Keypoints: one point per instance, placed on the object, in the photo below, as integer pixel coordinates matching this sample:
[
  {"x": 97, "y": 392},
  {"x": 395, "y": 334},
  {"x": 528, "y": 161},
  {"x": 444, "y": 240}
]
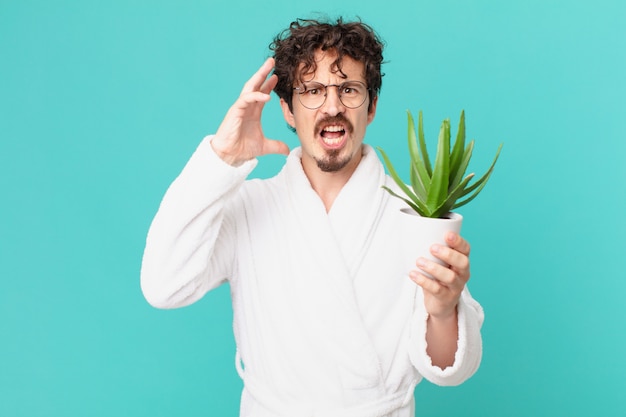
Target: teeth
[
  {"x": 333, "y": 128},
  {"x": 331, "y": 141}
]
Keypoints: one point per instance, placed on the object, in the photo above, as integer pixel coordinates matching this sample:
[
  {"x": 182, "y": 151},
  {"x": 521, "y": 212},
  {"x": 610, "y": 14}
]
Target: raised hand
[{"x": 240, "y": 136}]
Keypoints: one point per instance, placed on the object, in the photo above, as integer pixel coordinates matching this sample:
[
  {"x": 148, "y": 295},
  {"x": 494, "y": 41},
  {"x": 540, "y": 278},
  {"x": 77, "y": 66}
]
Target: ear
[
  {"x": 287, "y": 114},
  {"x": 372, "y": 110}
]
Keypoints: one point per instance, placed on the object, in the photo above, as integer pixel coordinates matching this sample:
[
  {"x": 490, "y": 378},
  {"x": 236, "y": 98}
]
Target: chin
[
  {"x": 334, "y": 160},
  {"x": 331, "y": 165}
]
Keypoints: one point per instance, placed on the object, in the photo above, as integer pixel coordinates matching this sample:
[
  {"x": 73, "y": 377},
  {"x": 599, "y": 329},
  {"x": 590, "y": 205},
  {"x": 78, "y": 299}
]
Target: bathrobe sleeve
[
  {"x": 190, "y": 244},
  {"x": 469, "y": 344}
]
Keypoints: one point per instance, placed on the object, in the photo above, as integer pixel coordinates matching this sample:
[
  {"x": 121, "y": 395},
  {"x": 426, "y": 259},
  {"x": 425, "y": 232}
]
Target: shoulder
[{"x": 257, "y": 192}]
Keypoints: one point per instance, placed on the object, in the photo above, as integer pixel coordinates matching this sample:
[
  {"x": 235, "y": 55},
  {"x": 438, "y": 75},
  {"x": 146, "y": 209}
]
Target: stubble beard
[{"x": 333, "y": 162}]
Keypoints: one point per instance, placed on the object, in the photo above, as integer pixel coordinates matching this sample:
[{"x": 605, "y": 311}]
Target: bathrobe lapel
[
  {"x": 357, "y": 211},
  {"x": 331, "y": 253}
]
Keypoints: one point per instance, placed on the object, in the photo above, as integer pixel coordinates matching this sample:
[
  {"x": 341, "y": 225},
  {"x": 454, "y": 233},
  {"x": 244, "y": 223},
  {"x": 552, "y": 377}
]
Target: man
[{"x": 326, "y": 320}]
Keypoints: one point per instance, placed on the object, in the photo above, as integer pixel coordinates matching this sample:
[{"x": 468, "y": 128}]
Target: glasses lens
[
  {"x": 312, "y": 95},
  {"x": 352, "y": 94}
]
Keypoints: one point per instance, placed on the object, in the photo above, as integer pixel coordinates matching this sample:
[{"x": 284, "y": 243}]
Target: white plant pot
[{"x": 423, "y": 232}]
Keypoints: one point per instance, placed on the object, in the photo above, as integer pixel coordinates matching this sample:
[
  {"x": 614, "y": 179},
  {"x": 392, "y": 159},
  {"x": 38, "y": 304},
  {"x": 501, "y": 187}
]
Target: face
[{"x": 331, "y": 136}]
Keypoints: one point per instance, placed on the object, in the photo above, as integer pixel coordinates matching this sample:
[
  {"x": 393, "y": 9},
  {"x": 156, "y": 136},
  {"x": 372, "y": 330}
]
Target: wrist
[
  {"x": 225, "y": 155},
  {"x": 444, "y": 317}
]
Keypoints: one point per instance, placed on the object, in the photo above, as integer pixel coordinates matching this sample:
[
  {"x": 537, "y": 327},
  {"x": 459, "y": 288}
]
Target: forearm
[
  {"x": 441, "y": 339},
  {"x": 467, "y": 346}
]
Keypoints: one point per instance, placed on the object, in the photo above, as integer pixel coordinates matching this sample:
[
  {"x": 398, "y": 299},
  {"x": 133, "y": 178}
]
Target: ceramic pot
[{"x": 422, "y": 232}]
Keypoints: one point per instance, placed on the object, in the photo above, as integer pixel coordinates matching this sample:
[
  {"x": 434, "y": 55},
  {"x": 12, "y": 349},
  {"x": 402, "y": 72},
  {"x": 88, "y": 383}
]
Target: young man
[{"x": 326, "y": 319}]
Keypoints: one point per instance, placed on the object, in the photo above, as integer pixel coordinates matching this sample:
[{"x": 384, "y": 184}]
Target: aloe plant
[{"x": 436, "y": 191}]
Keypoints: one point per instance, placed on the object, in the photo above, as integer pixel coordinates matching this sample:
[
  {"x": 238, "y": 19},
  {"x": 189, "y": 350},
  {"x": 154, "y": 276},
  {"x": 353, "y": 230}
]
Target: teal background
[{"x": 102, "y": 103}]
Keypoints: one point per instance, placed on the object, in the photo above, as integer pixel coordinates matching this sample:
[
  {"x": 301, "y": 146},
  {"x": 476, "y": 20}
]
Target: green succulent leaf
[
  {"x": 464, "y": 163},
  {"x": 415, "y": 205},
  {"x": 394, "y": 175},
  {"x": 477, "y": 187},
  {"x": 419, "y": 188},
  {"x": 413, "y": 147},
  {"x": 420, "y": 179},
  {"x": 420, "y": 164},
  {"x": 422, "y": 141},
  {"x": 456, "y": 157},
  {"x": 448, "y": 205},
  {"x": 438, "y": 190}
]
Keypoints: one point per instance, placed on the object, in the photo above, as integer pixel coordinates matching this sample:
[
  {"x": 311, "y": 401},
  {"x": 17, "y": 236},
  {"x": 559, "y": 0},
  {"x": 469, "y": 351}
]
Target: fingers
[
  {"x": 254, "y": 97},
  {"x": 249, "y": 105},
  {"x": 259, "y": 81},
  {"x": 442, "y": 293},
  {"x": 269, "y": 84},
  {"x": 458, "y": 261},
  {"x": 429, "y": 285},
  {"x": 457, "y": 242},
  {"x": 258, "y": 88},
  {"x": 456, "y": 269},
  {"x": 446, "y": 276},
  {"x": 271, "y": 146},
  {"x": 456, "y": 255}
]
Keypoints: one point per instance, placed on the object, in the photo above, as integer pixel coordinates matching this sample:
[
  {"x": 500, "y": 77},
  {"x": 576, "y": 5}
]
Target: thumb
[{"x": 271, "y": 146}]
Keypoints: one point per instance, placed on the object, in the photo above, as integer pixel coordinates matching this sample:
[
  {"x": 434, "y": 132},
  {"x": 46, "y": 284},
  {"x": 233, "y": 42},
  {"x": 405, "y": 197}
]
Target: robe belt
[{"x": 378, "y": 408}]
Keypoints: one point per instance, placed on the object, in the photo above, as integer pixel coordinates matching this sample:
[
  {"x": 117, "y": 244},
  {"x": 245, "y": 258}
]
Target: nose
[{"x": 333, "y": 105}]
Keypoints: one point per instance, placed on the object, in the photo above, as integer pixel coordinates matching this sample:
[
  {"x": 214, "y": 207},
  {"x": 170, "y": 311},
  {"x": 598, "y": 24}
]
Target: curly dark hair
[{"x": 297, "y": 45}]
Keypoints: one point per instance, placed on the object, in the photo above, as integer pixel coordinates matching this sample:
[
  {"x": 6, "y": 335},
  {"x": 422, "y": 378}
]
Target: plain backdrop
[{"x": 102, "y": 103}]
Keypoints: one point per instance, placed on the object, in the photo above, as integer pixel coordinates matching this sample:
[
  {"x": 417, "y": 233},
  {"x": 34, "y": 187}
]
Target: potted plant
[{"x": 435, "y": 191}]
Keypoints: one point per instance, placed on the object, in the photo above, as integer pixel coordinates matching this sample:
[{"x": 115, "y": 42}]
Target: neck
[{"x": 327, "y": 185}]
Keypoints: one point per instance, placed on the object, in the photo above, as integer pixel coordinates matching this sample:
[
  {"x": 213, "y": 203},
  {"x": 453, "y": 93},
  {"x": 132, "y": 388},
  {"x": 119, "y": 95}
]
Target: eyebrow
[{"x": 343, "y": 82}]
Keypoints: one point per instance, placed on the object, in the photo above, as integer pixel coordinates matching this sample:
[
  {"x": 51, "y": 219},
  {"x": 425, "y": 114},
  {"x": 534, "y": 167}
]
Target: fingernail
[
  {"x": 415, "y": 276},
  {"x": 435, "y": 248}
]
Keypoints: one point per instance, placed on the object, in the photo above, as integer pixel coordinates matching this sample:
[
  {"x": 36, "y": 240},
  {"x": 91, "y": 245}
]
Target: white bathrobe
[{"x": 327, "y": 322}]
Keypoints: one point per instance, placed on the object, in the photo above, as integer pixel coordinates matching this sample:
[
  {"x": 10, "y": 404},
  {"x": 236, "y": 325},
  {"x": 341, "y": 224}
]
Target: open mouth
[
  {"x": 333, "y": 132},
  {"x": 333, "y": 135}
]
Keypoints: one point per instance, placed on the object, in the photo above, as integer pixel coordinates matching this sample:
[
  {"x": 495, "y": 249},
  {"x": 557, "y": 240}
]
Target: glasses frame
[{"x": 301, "y": 90}]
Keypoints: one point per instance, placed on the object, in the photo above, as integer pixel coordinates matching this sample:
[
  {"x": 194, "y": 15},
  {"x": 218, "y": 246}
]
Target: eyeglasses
[{"x": 352, "y": 94}]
